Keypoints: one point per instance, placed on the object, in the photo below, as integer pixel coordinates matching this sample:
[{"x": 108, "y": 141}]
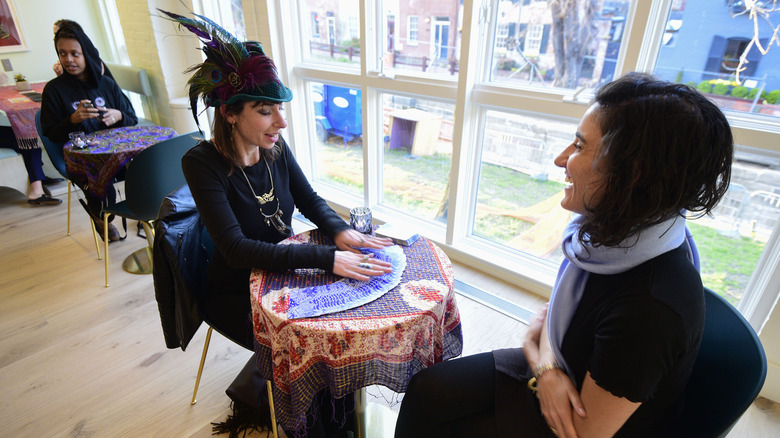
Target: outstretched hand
[
  {"x": 351, "y": 263},
  {"x": 359, "y": 266},
  {"x": 351, "y": 240}
]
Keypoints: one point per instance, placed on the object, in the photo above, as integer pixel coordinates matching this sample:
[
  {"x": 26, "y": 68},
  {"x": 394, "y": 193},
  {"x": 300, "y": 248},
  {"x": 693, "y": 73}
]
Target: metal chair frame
[
  {"x": 149, "y": 179},
  {"x": 57, "y": 157},
  {"x": 274, "y": 428}
]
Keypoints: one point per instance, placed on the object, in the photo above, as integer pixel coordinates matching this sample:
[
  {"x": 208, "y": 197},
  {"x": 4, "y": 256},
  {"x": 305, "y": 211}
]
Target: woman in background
[
  {"x": 614, "y": 350},
  {"x": 83, "y": 99},
  {"x": 96, "y": 55}
]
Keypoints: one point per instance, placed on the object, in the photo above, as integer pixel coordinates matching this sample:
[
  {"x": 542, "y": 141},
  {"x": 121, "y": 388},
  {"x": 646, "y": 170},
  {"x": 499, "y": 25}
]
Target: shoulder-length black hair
[{"x": 665, "y": 149}]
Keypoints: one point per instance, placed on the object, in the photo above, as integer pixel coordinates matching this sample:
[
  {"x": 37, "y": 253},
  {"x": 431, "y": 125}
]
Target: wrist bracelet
[
  {"x": 538, "y": 371},
  {"x": 543, "y": 368}
]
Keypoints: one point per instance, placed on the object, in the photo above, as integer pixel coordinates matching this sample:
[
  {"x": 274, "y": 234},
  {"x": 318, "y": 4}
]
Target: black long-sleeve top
[
  {"x": 60, "y": 99},
  {"x": 233, "y": 218}
]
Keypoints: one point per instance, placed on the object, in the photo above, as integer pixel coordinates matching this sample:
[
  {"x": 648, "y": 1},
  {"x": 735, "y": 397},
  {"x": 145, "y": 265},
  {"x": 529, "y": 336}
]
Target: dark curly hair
[{"x": 665, "y": 149}]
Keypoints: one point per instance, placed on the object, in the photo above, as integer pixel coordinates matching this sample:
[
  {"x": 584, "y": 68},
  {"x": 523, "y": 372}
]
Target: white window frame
[
  {"x": 354, "y": 27},
  {"x": 472, "y": 94},
  {"x": 412, "y": 30},
  {"x": 533, "y": 39}
]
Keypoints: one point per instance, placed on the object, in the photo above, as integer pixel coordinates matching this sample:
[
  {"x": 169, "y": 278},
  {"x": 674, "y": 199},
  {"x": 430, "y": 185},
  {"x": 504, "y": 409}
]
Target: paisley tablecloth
[
  {"x": 95, "y": 167},
  {"x": 385, "y": 342},
  {"x": 20, "y": 111}
]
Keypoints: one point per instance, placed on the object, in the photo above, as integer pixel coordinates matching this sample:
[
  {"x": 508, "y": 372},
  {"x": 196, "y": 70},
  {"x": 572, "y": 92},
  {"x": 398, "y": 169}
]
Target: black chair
[
  {"x": 57, "y": 157},
  {"x": 183, "y": 250},
  {"x": 150, "y": 177},
  {"x": 728, "y": 374}
]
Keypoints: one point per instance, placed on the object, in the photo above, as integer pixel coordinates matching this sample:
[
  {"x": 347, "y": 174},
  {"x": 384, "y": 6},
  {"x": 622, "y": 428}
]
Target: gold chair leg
[
  {"x": 95, "y": 237},
  {"x": 69, "y": 183},
  {"x": 149, "y": 231},
  {"x": 274, "y": 429},
  {"x": 200, "y": 368},
  {"x": 105, "y": 242}
]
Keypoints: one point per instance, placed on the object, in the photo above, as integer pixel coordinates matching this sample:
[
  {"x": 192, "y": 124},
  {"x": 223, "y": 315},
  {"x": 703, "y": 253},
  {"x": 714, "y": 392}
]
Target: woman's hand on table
[
  {"x": 84, "y": 111},
  {"x": 358, "y": 266},
  {"x": 350, "y": 240},
  {"x": 110, "y": 116}
]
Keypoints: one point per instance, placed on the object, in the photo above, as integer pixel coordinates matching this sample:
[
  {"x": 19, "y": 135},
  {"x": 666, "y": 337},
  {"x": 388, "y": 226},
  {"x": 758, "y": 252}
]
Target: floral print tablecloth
[
  {"x": 95, "y": 167},
  {"x": 384, "y": 342},
  {"x": 20, "y": 111}
]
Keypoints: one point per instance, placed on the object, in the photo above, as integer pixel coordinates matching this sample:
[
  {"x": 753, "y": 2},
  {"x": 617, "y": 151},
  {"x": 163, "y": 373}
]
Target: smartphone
[{"x": 88, "y": 105}]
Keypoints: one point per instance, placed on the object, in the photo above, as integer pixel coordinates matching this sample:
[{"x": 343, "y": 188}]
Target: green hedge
[
  {"x": 740, "y": 91},
  {"x": 720, "y": 89},
  {"x": 772, "y": 96}
]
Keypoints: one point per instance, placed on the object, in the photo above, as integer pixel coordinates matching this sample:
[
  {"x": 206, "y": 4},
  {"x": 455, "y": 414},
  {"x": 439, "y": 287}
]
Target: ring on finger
[
  {"x": 364, "y": 265},
  {"x": 365, "y": 258}
]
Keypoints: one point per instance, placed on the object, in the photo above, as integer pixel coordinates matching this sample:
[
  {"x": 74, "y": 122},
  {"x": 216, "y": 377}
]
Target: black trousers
[{"x": 468, "y": 398}]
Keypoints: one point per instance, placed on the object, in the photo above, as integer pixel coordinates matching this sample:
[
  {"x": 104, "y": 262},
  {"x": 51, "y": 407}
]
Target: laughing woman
[{"x": 611, "y": 354}]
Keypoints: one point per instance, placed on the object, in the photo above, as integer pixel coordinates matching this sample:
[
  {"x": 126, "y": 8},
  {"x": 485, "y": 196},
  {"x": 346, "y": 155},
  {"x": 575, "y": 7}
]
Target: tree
[
  {"x": 755, "y": 10},
  {"x": 572, "y": 32}
]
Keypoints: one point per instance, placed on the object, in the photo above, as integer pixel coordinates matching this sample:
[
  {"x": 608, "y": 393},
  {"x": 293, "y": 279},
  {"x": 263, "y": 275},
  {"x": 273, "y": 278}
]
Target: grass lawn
[
  {"x": 417, "y": 185},
  {"x": 727, "y": 262}
]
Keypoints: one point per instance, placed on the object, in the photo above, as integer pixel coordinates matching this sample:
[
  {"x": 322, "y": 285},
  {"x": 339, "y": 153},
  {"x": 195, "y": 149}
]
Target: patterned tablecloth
[
  {"x": 20, "y": 111},
  {"x": 385, "y": 342},
  {"x": 95, "y": 167}
]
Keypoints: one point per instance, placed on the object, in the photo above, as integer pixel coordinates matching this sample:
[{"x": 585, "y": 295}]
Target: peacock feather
[{"x": 233, "y": 70}]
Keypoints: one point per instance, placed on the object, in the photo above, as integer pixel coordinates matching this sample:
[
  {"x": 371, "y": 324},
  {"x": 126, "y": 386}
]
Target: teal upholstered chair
[
  {"x": 57, "y": 157},
  {"x": 728, "y": 374},
  {"x": 150, "y": 177}
]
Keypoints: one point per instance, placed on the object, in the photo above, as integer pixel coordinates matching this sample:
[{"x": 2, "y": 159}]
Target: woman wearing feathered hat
[{"x": 246, "y": 182}]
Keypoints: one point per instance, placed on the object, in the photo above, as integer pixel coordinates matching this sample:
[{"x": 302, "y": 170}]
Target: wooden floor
[{"x": 78, "y": 359}]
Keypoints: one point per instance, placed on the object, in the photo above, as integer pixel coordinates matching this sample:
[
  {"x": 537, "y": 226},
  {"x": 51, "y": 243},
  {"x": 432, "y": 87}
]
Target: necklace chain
[{"x": 274, "y": 219}]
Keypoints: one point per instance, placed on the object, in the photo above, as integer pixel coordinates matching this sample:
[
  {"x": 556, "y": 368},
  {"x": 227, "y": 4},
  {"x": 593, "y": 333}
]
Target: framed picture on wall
[{"x": 11, "y": 36}]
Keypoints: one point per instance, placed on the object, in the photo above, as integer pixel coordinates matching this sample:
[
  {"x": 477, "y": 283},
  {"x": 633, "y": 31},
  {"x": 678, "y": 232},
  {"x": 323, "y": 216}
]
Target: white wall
[
  {"x": 151, "y": 43},
  {"x": 36, "y": 19}
]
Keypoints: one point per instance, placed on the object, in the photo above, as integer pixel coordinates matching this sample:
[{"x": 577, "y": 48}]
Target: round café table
[
  {"x": 94, "y": 168},
  {"x": 384, "y": 342}
]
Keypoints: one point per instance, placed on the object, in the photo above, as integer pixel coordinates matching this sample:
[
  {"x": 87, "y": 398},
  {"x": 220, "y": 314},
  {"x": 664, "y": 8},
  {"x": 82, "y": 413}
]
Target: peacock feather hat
[{"x": 233, "y": 70}]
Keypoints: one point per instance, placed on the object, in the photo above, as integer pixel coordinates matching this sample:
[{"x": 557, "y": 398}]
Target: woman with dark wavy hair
[{"x": 611, "y": 353}]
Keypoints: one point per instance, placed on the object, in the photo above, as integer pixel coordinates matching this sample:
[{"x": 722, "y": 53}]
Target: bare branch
[{"x": 756, "y": 10}]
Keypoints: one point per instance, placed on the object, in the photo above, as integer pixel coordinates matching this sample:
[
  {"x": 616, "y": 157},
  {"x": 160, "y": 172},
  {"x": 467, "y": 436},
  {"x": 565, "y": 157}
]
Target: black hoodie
[{"x": 62, "y": 94}]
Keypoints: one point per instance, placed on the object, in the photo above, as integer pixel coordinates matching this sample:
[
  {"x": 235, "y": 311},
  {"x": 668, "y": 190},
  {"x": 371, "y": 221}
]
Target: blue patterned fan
[{"x": 348, "y": 293}]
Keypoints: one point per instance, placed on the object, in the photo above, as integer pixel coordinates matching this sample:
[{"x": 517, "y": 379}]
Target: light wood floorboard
[{"x": 78, "y": 359}]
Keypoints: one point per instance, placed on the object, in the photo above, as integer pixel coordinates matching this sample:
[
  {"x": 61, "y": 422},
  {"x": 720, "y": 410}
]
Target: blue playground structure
[{"x": 337, "y": 111}]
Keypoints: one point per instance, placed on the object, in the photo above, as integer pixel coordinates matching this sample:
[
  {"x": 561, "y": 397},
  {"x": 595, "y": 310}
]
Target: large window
[
  {"x": 457, "y": 133},
  {"x": 332, "y": 31},
  {"x": 732, "y": 240},
  {"x": 581, "y": 52}
]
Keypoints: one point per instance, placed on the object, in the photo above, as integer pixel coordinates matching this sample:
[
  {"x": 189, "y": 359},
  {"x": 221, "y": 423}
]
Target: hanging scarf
[{"x": 582, "y": 259}]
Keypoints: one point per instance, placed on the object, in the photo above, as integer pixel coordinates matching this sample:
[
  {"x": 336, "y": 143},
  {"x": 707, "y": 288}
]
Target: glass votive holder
[
  {"x": 360, "y": 219},
  {"x": 78, "y": 139}
]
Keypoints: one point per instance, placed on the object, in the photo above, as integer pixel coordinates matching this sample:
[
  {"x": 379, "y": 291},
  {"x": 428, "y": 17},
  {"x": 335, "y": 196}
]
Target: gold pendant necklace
[{"x": 274, "y": 219}]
